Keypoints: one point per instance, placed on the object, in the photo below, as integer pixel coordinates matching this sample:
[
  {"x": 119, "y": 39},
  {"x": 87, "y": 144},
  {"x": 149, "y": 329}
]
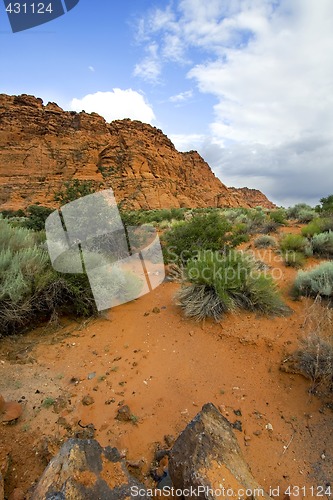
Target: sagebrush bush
[
  {"x": 306, "y": 215},
  {"x": 219, "y": 283},
  {"x": 301, "y": 212},
  {"x": 29, "y": 287},
  {"x": 265, "y": 241},
  {"x": 316, "y": 281},
  {"x": 322, "y": 244}
]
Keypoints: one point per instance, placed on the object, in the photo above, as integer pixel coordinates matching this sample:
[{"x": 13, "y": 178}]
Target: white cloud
[
  {"x": 150, "y": 67},
  {"x": 187, "y": 142},
  {"x": 183, "y": 96},
  {"x": 269, "y": 65},
  {"x": 91, "y": 68},
  {"x": 116, "y": 105}
]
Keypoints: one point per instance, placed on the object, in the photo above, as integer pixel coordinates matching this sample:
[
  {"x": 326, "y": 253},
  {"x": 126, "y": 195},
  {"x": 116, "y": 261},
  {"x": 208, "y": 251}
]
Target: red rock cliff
[{"x": 43, "y": 146}]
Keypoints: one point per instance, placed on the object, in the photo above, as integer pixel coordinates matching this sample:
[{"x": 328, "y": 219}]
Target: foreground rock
[
  {"x": 206, "y": 456},
  {"x": 83, "y": 470}
]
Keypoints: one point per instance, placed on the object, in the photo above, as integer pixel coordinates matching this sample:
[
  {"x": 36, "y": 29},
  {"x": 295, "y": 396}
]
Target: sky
[{"x": 246, "y": 83}]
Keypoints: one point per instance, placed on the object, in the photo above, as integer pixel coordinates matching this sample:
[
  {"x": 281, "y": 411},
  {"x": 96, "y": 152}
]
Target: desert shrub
[
  {"x": 278, "y": 216},
  {"x": 316, "y": 281},
  {"x": 255, "y": 218},
  {"x": 220, "y": 283},
  {"x": 314, "y": 357},
  {"x": 268, "y": 226},
  {"x": 306, "y": 215},
  {"x": 239, "y": 234},
  {"x": 231, "y": 214},
  {"x": 29, "y": 287},
  {"x": 36, "y": 216},
  {"x": 301, "y": 212},
  {"x": 293, "y": 242},
  {"x": 294, "y": 248},
  {"x": 155, "y": 217},
  {"x": 326, "y": 205},
  {"x": 265, "y": 241},
  {"x": 293, "y": 259},
  {"x": 318, "y": 225},
  {"x": 8, "y": 214},
  {"x": 202, "y": 232},
  {"x": 322, "y": 244}
]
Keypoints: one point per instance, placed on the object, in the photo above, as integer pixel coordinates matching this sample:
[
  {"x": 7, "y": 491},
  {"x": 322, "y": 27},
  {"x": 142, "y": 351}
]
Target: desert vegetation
[{"x": 215, "y": 284}]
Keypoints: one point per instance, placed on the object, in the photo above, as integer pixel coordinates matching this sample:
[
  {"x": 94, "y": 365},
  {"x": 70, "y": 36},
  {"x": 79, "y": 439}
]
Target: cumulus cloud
[
  {"x": 268, "y": 64},
  {"x": 149, "y": 68},
  {"x": 115, "y": 105},
  {"x": 181, "y": 97}
]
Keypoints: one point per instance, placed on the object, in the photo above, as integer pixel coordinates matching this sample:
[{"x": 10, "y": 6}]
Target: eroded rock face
[
  {"x": 83, "y": 470},
  {"x": 207, "y": 455},
  {"x": 43, "y": 146}
]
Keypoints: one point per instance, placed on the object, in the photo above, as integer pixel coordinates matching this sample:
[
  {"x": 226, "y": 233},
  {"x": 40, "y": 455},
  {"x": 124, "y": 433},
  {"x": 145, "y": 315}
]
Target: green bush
[
  {"x": 293, "y": 259},
  {"x": 318, "y": 225},
  {"x": 36, "y": 217},
  {"x": 278, "y": 216},
  {"x": 322, "y": 244},
  {"x": 326, "y": 205},
  {"x": 221, "y": 283},
  {"x": 265, "y": 241},
  {"x": 294, "y": 247},
  {"x": 316, "y": 281},
  {"x": 202, "y": 232},
  {"x": 293, "y": 242}
]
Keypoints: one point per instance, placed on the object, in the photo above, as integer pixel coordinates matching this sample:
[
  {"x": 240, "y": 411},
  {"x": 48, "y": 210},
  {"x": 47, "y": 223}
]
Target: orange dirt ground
[{"x": 165, "y": 368}]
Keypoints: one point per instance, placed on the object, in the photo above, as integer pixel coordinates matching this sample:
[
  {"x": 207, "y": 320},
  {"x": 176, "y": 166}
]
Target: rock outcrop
[
  {"x": 83, "y": 470},
  {"x": 207, "y": 458},
  {"x": 43, "y": 146},
  {"x": 253, "y": 197}
]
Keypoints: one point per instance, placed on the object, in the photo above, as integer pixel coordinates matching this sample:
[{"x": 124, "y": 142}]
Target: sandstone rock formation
[
  {"x": 43, "y": 146},
  {"x": 83, "y": 470},
  {"x": 206, "y": 456}
]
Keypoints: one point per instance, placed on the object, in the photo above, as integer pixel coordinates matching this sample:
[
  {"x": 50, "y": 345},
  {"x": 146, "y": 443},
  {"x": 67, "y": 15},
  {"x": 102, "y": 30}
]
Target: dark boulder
[
  {"x": 83, "y": 470},
  {"x": 206, "y": 457}
]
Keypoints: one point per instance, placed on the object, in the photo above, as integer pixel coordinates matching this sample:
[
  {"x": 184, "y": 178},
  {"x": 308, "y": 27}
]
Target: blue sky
[{"x": 247, "y": 83}]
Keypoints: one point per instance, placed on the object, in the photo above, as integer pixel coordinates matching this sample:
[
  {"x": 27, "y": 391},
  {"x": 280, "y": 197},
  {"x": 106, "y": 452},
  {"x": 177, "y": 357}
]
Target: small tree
[{"x": 326, "y": 205}]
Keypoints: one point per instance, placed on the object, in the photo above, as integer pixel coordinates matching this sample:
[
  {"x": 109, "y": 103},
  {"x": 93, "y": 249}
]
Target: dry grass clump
[{"x": 314, "y": 358}]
